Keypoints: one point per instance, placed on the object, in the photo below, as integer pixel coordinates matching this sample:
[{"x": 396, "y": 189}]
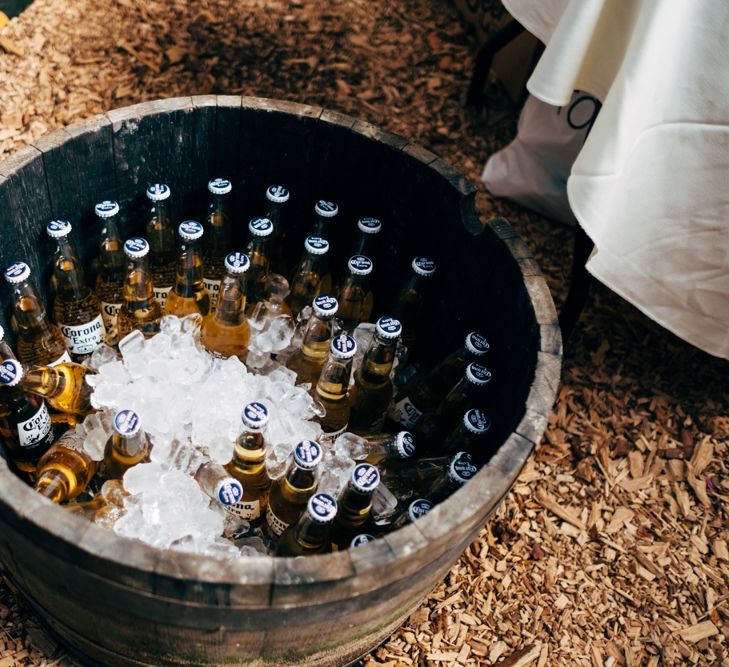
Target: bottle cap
[
  {"x": 220, "y": 186},
  {"x": 237, "y": 262},
  {"x": 136, "y": 247},
  {"x": 361, "y": 539},
  {"x": 477, "y": 421},
  {"x": 461, "y": 468},
  {"x": 255, "y": 415},
  {"x": 11, "y": 372},
  {"x": 478, "y": 374},
  {"x": 106, "y": 209},
  {"x": 316, "y": 245},
  {"x": 307, "y": 454},
  {"x": 343, "y": 346},
  {"x": 369, "y": 225},
  {"x": 418, "y": 508},
  {"x": 325, "y": 305},
  {"x": 360, "y": 265},
  {"x": 158, "y": 192},
  {"x": 57, "y": 229},
  {"x": 326, "y": 209},
  {"x": 17, "y": 273},
  {"x": 260, "y": 227},
  {"x": 126, "y": 423},
  {"x": 477, "y": 344},
  {"x": 388, "y": 327},
  {"x": 423, "y": 266},
  {"x": 228, "y": 491},
  {"x": 278, "y": 194},
  {"x": 322, "y": 508},
  {"x": 365, "y": 478},
  {"x": 405, "y": 444}
]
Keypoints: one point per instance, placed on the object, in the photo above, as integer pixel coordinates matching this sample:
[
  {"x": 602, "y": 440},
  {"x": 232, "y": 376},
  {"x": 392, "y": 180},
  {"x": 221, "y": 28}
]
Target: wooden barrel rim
[{"x": 471, "y": 504}]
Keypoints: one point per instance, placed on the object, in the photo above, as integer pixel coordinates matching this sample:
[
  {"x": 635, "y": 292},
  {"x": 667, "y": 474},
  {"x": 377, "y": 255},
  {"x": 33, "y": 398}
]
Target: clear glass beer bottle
[
  {"x": 324, "y": 213},
  {"x": 140, "y": 310},
  {"x": 409, "y": 301},
  {"x": 38, "y": 341},
  {"x": 6, "y": 352},
  {"x": 189, "y": 295},
  {"x": 355, "y": 503},
  {"x": 368, "y": 230},
  {"x": 217, "y": 236},
  {"x": 354, "y": 295},
  {"x": 217, "y": 483},
  {"x": 112, "y": 265},
  {"x": 63, "y": 386},
  {"x": 460, "y": 469},
  {"x": 333, "y": 384},
  {"x": 161, "y": 238},
  {"x": 259, "y": 251},
  {"x": 127, "y": 446},
  {"x": 65, "y": 470},
  {"x": 225, "y": 331},
  {"x": 414, "y": 511},
  {"x": 276, "y": 198},
  {"x": 470, "y": 435},
  {"x": 384, "y": 449},
  {"x": 307, "y": 280},
  {"x": 310, "y": 534}
]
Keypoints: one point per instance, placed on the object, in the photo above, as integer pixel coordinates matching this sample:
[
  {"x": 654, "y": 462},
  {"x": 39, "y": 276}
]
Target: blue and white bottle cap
[
  {"x": 278, "y": 194},
  {"x": 158, "y": 192},
  {"x": 477, "y": 421},
  {"x": 343, "y": 346},
  {"x": 369, "y": 225},
  {"x": 11, "y": 372},
  {"x": 260, "y": 227},
  {"x": 477, "y": 344},
  {"x": 106, "y": 209},
  {"x": 326, "y": 209},
  {"x": 228, "y": 491},
  {"x": 308, "y": 454},
  {"x": 57, "y": 229},
  {"x": 136, "y": 247},
  {"x": 405, "y": 444},
  {"x": 360, "y": 265},
  {"x": 255, "y": 415},
  {"x": 316, "y": 245},
  {"x": 388, "y": 327},
  {"x": 237, "y": 262},
  {"x": 419, "y": 508},
  {"x": 365, "y": 478},
  {"x": 220, "y": 186},
  {"x": 126, "y": 423},
  {"x": 190, "y": 230},
  {"x": 461, "y": 468},
  {"x": 325, "y": 305},
  {"x": 17, "y": 273},
  {"x": 478, "y": 374},
  {"x": 423, "y": 266},
  {"x": 361, "y": 540},
  {"x": 322, "y": 508}
]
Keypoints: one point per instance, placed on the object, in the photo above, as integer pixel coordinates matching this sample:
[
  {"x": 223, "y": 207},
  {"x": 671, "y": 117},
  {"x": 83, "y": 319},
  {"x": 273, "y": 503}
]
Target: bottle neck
[
  {"x": 311, "y": 263},
  {"x": 252, "y": 442},
  {"x": 160, "y": 234},
  {"x": 138, "y": 285},
  {"x": 111, "y": 253},
  {"x": 274, "y": 214},
  {"x": 190, "y": 264},
  {"x": 217, "y": 236},
  {"x": 53, "y": 485},
  {"x": 231, "y": 299},
  {"x": 334, "y": 379},
  {"x": 48, "y": 381},
  {"x": 321, "y": 225},
  {"x": 301, "y": 479},
  {"x": 311, "y": 535},
  {"x": 378, "y": 360},
  {"x": 67, "y": 269},
  {"x": 30, "y": 313},
  {"x": 317, "y": 337}
]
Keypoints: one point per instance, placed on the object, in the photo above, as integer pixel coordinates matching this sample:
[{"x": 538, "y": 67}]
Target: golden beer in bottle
[
  {"x": 372, "y": 390},
  {"x": 355, "y": 503},
  {"x": 368, "y": 230},
  {"x": 189, "y": 295},
  {"x": 409, "y": 301},
  {"x": 385, "y": 449},
  {"x": 217, "y": 483},
  {"x": 225, "y": 331},
  {"x": 127, "y": 446},
  {"x": 63, "y": 386},
  {"x": 310, "y": 534},
  {"x": 140, "y": 309},
  {"x": 324, "y": 213},
  {"x": 161, "y": 239},
  {"x": 217, "y": 236},
  {"x": 307, "y": 280},
  {"x": 308, "y": 360},
  {"x": 38, "y": 341},
  {"x": 276, "y": 198},
  {"x": 65, "y": 470},
  {"x": 354, "y": 295},
  {"x": 332, "y": 386},
  {"x": 470, "y": 435},
  {"x": 259, "y": 252},
  {"x": 6, "y": 352},
  {"x": 111, "y": 264}
]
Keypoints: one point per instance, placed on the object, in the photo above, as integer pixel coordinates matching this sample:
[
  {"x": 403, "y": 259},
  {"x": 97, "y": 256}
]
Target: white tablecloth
[{"x": 651, "y": 184}]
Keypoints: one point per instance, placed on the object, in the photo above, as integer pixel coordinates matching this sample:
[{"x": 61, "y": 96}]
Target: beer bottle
[
  {"x": 25, "y": 425},
  {"x": 470, "y": 434},
  {"x": 217, "y": 483},
  {"x": 387, "y": 448},
  {"x": 310, "y": 534},
  {"x": 127, "y": 446},
  {"x": 161, "y": 238},
  {"x": 409, "y": 301},
  {"x": 217, "y": 236},
  {"x": 416, "y": 509},
  {"x": 248, "y": 465},
  {"x": 355, "y": 503},
  {"x": 289, "y": 494},
  {"x": 368, "y": 230},
  {"x": 39, "y": 341},
  {"x": 307, "y": 280},
  {"x": 459, "y": 470},
  {"x": 65, "y": 470},
  {"x": 407, "y": 478},
  {"x": 432, "y": 426},
  {"x": 76, "y": 308},
  {"x": 308, "y": 360},
  {"x": 6, "y": 352},
  {"x": 189, "y": 295},
  {"x": 424, "y": 391},
  {"x": 276, "y": 198},
  {"x": 324, "y": 212},
  {"x": 63, "y": 386},
  {"x": 331, "y": 388},
  {"x": 372, "y": 390},
  {"x": 355, "y": 297},
  {"x": 261, "y": 231},
  {"x": 112, "y": 265},
  {"x": 225, "y": 331},
  {"x": 140, "y": 310},
  {"x": 361, "y": 540}
]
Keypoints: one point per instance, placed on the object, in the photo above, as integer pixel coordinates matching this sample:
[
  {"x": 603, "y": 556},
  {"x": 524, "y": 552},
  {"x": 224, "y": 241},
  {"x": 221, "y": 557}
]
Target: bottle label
[
  {"x": 63, "y": 358},
  {"x": 34, "y": 430},
  {"x": 161, "y": 294},
  {"x": 274, "y": 523},
  {"x": 110, "y": 311},
  {"x": 84, "y": 338},
  {"x": 213, "y": 287},
  {"x": 250, "y": 510},
  {"x": 329, "y": 438},
  {"x": 405, "y": 413}
]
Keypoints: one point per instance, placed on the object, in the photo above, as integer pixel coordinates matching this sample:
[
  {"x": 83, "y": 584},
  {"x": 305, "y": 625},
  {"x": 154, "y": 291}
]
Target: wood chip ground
[{"x": 612, "y": 547}]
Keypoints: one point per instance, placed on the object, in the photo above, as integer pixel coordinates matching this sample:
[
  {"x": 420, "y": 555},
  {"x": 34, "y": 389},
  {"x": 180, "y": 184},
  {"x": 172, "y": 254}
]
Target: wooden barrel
[{"x": 115, "y": 601}]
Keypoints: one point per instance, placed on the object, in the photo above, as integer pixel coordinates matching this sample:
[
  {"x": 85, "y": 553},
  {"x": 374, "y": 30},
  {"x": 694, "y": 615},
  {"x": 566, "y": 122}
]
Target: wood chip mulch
[{"x": 612, "y": 547}]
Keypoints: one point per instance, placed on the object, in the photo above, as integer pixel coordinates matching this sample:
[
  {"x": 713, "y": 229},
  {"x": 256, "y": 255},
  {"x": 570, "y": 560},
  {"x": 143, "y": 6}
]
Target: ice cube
[
  {"x": 170, "y": 325},
  {"x": 102, "y": 355},
  {"x": 132, "y": 343},
  {"x": 351, "y": 446},
  {"x": 95, "y": 443},
  {"x": 143, "y": 477}
]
